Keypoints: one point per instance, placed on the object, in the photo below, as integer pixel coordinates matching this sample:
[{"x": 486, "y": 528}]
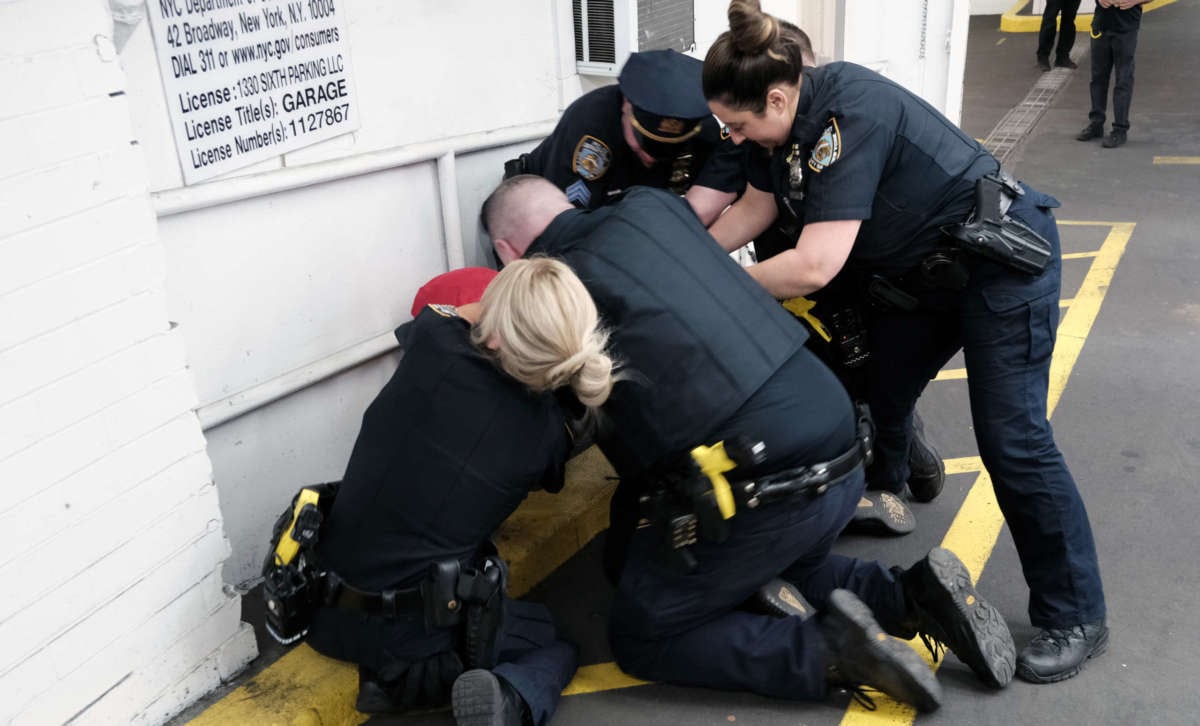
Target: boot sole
[
  {"x": 1027, "y": 674},
  {"x": 984, "y": 642},
  {"x": 906, "y": 678},
  {"x": 478, "y": 700},
  {"x": 886, "y": 514},
  {"x": 781, "y": 599}
]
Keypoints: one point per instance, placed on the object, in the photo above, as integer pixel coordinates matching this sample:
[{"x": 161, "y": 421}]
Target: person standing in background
[
  {"x": 1114, "y": 41},
  {"x": 1066, "y": 34}
]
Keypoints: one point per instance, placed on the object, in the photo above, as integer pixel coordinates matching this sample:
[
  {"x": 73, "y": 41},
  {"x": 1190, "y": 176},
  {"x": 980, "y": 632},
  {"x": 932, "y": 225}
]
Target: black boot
[
  {"x": 944, "y": 608},
  {"x": 1043, "y": 62},
  {"x": 927, "y": 471},
  {"x": 1114, "y": 139},
  {"x": 781, "y": 599},
  {"x": 1091, "y": 131},
  {"x": 882, "y": 513},
  {"x": 1057, "y": 654},
  {"x": 481, "y": 698},
  {"x": 861, "y": 655}
]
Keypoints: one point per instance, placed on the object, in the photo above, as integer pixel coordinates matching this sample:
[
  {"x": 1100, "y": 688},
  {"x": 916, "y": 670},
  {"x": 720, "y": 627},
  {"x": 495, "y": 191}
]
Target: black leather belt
[
  {"x": 812, "y": 480},
  {"x": 389, "y": 603}
]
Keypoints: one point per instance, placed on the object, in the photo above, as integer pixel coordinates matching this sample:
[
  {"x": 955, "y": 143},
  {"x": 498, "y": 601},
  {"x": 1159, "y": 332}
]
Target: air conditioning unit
[{"x": 607, "y": 31}]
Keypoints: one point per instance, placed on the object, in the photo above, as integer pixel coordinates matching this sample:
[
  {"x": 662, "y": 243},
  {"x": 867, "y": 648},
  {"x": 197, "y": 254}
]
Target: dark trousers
[
  {"x": 687, "y": 628},
  {"x": 1066, "y": 30},
  {"x": 1113, "y": 51},
  {"x": 1005, "y": 322},
  {"x": 401, "y": 652}
]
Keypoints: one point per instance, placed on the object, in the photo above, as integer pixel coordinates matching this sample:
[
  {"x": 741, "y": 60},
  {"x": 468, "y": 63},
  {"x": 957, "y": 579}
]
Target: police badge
[
  {"x": 828, "y": 148},
  {"x": 591, "y": 158}
]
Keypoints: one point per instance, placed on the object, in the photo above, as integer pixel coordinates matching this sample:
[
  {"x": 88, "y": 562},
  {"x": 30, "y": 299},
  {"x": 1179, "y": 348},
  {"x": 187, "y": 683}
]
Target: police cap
[{"x": 664, "y": 88}]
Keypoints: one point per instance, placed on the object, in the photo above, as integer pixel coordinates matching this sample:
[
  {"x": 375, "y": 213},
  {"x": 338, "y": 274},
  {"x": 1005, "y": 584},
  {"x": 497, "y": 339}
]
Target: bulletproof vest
[
  {"x": 695, "y": 334},
  {"x": 446, "y": 452}
]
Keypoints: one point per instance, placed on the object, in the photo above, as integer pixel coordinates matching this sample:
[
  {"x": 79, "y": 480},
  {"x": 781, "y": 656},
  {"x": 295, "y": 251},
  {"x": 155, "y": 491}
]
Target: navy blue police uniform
[
  {"x": 864, "y": 148},
  {"x": 1114, "y": 43},
  {"x": 708, "y": 355},
  {"x": 587, "y": 157},
  {"x": 448, "y": 449}
]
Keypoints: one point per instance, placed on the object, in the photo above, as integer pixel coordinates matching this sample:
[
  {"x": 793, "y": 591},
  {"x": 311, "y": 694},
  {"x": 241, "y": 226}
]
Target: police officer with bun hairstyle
[
  {"x": 414, "y": 593},
  {"x": 651, "y": 129},
  {"x": 955, "y": 255},
  {"x": 748, "y": 458}
]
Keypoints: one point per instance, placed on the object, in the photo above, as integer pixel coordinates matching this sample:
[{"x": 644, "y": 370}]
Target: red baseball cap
[{"x": 457, "y": 287}]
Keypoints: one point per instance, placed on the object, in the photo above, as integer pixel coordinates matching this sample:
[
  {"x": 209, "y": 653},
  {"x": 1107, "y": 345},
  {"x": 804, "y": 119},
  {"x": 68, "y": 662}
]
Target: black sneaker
[
  {"x": 1057, "y": 654},
  {"x": 781, "y": 599},
  {"x": 1065, "y": 63},
  {"x": 860, "y": 654},
  {"x": 1091, "y": 131},
  {"x": 926, "y": 470},
  {"x": 1043, "y": 62},
  {"x": 945, "y": 609},
  {"x": 882, "y": 513},
  {"x": 1113, "y": 140},
  {"x": 481, "y": 698}
]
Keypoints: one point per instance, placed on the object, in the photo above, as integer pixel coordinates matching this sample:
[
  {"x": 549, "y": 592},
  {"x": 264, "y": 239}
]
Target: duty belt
[
  {"x": 388, "y": 603},
  {"x": 811, "y": 481}
]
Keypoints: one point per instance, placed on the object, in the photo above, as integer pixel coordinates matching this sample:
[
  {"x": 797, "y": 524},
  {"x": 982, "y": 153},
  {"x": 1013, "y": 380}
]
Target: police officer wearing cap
[
  {"x": 414, "y": 593},
  {"x": 957, "y": 256},
  {"x": 651, "y": 129},
  {"x": 708, "y": 359}
]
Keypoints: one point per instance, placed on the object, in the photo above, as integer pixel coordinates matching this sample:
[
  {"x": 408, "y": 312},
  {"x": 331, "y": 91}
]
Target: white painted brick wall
[{"x": 111, "y": 536}]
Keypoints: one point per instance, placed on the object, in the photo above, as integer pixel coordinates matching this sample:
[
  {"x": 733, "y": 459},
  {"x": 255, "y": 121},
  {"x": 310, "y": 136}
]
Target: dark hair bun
[{"x": 752, "y": 31}]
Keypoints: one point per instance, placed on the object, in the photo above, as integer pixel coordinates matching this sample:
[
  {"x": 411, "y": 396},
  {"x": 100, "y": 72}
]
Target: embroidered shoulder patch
[
  {"x": 591, "y": 159},
  {"x": 827, "y": 149},
  {"x": 446, "y": 311},
  {"x": 579, "y": 194}
]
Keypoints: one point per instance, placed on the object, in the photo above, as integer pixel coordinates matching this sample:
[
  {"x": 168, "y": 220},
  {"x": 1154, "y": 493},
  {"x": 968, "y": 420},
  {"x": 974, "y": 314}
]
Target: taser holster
[{"x": 991, "y": 233}]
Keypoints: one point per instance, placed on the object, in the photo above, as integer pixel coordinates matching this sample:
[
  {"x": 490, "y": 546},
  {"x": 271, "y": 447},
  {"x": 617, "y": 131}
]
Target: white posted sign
[{"x": 248, "y": 80}]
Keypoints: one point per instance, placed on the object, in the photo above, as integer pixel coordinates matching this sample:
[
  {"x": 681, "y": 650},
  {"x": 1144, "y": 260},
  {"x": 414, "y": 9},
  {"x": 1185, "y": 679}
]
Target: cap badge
[
  {"x": 672, "y": 126},
  {"x": 827, "y": 149},
  {"x": 591, "y": 159}
]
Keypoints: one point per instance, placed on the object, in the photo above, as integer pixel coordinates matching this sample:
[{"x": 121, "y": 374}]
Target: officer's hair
[
  {"x": 757, "y": 52},
  {"x": 548, "y": 330}
]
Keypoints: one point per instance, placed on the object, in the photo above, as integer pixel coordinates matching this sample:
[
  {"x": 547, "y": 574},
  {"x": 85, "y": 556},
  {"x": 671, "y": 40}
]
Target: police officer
[
  {"x": 446, "y": 452},
  {"x": 709, "y": 357},
  {"x": 885, "y": 182},
  {"x": 651, "y": 129}
]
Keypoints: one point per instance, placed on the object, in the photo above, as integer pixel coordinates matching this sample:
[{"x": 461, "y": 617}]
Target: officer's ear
[
  {"x": 777, "y": 99},
  {"x": 505, "y": 250}
]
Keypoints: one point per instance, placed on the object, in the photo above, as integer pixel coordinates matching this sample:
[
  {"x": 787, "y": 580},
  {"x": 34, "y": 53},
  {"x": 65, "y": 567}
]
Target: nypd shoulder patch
[
  {"x": 827, "y": 149},
  {"x": 446, "y": 311},
  {"x": 591, "y": 158}
]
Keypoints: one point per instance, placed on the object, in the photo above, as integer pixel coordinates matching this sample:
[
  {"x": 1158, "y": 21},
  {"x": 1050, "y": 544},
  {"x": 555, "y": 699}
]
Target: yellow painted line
[
  {"x": 1177, "y": 160},
  {"x": 951, "y": 374},
  {"x": 600, "y": 677},
  {"x": 1015, "y": 22},
  {"x": 973, "y": 533},
  {"x": 1066, "y": 302},
  {"x": 1080, "y": 255}
]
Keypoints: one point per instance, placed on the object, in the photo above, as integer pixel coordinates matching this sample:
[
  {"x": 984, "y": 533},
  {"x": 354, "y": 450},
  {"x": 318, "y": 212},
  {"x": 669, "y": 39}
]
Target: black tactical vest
[{"x": 696, "y": 334}]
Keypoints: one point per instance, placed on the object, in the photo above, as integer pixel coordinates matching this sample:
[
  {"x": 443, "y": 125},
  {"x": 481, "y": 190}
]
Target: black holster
[
  {"x": 989, "y": 232},
  {"x": 517, "y": 166},
  {"x": 481, "y": 590}
]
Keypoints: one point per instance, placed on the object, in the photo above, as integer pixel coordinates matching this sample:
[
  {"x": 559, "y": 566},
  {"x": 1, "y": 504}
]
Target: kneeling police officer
[
  {"x": 710, "y": 359},
  {"x": 411, "y": 589}
]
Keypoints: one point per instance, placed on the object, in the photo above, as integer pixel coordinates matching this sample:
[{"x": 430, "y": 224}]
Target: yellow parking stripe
[
  {"x": 600, "y": 677},
  {"x": 1177, "y": 160},
  {"x": 1014, "y": 22},
  {"x": 973, "y": 533}
]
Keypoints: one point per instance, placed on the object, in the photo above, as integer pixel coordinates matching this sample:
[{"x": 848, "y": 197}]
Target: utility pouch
[
  {"x": 884, "y": 294},
  {"x": 514, "y": 167},
  {"x": 992, "y": 234},
  {"x": 439, "y": 593},
  {"x": 291, "y": 576}
]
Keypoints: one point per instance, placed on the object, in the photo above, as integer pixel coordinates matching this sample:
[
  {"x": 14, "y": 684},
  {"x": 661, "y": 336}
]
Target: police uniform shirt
[
  {"x": 447, "y": 450},
  {"x": 696, "y": 335},
  {"x": 863, "y": 147},
  {"x": 587, "y": 157}
]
